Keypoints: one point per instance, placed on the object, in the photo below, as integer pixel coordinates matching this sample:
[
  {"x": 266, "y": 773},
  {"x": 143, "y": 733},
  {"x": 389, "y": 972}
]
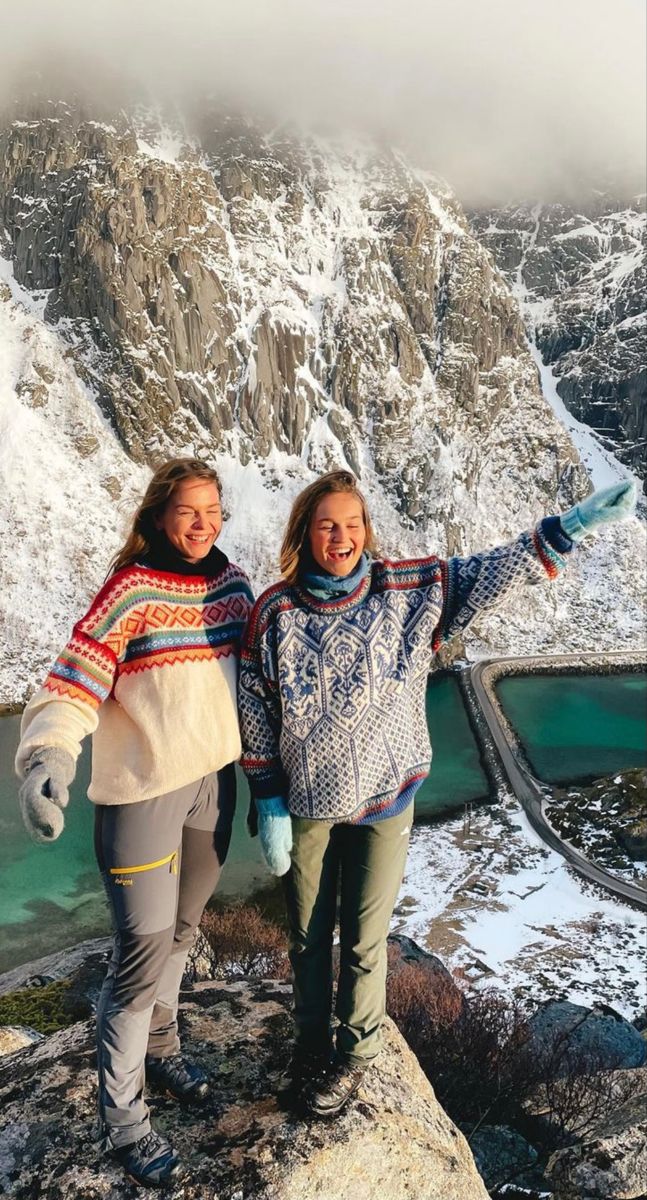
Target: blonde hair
[
  {"x": 303, "y": 509},
  {"x": 144, "y": 534}
]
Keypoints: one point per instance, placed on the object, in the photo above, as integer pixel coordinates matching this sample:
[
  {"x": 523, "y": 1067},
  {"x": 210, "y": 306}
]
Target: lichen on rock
[{"x": 392, "y": 1141}]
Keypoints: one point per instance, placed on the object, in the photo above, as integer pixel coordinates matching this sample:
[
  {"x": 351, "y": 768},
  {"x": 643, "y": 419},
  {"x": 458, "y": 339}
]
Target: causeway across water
[{"x": 527, "y": 788}]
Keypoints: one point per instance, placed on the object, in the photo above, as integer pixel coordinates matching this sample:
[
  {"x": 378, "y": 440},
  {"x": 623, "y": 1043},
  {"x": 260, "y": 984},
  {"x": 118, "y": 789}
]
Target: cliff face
[
  {"x": 580, "y": 275},
  {"x": 280, "y": 305},
  {"x": 330, "y": 303}
]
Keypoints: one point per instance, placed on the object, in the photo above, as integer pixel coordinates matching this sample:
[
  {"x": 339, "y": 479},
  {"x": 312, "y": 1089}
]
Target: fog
[{"x": 505, "y": 98}]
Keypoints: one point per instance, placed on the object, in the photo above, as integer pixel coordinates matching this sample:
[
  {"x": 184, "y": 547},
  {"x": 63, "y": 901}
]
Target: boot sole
[
  {"x": 164, "y": 1183},
  {"x": 194, "y": 1097}
]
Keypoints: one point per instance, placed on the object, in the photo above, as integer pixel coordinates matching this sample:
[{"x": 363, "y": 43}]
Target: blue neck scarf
[{"x": 324, "y": 586}]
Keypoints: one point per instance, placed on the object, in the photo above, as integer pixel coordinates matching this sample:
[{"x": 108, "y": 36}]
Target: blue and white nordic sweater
[{"x": 332, "y": 692}]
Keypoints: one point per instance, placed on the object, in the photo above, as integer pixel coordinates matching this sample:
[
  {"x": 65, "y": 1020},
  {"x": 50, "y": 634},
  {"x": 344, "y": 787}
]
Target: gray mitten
[{"x": 43, "y": 794}]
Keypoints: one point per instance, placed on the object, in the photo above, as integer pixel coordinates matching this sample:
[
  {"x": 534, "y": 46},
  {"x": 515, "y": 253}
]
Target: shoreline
[
  {"x": 507, "y": 750},
  {"x": 580, "y": 664}
]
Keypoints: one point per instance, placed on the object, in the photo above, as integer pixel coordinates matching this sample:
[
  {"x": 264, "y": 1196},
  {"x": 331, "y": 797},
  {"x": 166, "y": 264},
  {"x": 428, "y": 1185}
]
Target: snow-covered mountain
[
  {"x": 580, "y": 275},
  {"x": 282, "y": 305}
]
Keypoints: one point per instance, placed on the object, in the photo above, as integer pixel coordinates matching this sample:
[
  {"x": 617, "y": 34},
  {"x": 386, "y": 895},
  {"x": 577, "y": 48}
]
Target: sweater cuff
[
  {"x": 268, "y": 786},
  {"x": 556, "y": 535}
]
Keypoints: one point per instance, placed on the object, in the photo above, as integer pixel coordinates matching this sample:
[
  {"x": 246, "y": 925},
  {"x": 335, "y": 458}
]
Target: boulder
[
  {"x": 14, "y": 1037},
  {"x": 393, "y": 1141},
  {"x": 62, "y": 964},
  {"x": 404, "y": 951},
  {"x": 610, "y": 1163},
  {"x": 501, "y": 1154},
  {"x": 588, "y": 1039}
]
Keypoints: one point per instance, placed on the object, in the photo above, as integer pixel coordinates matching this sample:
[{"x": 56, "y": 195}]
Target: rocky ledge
[{"x": 393, "y": 1141}]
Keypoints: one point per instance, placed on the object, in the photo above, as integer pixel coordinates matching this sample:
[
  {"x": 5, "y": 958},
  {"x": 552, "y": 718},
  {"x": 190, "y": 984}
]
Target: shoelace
[
  {"x": 152, "y": 1146},
  {"x": 324, "y": 1070},
  {"x": 177, "y": 1069}
]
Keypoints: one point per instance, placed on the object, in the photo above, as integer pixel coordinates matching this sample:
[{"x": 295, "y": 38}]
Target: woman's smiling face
[
  {"x": 337, "y": 533},
  {"x": 192, "y": 518}
]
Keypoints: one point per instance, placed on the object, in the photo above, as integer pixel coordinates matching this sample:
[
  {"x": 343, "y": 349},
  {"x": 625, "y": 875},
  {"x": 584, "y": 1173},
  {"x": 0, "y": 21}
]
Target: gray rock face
[
  {"x": 611, "y": 1163},
  {"x": 393, "y": 1141},
  {"x": 501, "y": 1154},
  {"x": 581, "y": 275},
  {"x": 597, "y": 1039},
  {"x": 261, "y": 293}
]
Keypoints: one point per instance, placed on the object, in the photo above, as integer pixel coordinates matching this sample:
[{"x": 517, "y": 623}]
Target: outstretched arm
[
  {"x": 613, "y": 503},
  {"x": 483, "y": 581}
]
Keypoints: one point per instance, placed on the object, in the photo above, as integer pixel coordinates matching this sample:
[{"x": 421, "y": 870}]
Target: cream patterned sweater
[{"x": 151, "y": 671}]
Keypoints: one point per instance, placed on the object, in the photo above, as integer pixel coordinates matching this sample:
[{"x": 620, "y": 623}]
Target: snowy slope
[
  {"x": 325, "y": 304},
  {"x": 580, "y": 276}
]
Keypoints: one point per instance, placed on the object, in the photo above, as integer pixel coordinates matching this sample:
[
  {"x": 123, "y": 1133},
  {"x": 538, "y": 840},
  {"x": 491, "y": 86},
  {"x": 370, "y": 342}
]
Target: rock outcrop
[
  {"x": 393, "y": 1141},
  {"x": 268, "y": 293},
  {"x": 611, "y": 1161},
  {"x": 579, "y": 1039},
  {"x": 580, "y": 274}
]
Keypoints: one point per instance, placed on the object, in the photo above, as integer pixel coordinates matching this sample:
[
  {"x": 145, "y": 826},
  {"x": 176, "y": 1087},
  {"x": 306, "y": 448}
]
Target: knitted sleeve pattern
[
  {"x": 65, "y": 709},
  {"x": 141, "y": 621},
  {"x": 259, "y": 701},
  {"x": 481, "y": 582}
]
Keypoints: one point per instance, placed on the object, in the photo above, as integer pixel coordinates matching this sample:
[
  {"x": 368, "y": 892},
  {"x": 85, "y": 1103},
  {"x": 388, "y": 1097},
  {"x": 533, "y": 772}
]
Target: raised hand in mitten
[
  {"x": 275, "y": 832},
  {"x": 600, "y": 508},
  {"x": 43, "y": 794}
]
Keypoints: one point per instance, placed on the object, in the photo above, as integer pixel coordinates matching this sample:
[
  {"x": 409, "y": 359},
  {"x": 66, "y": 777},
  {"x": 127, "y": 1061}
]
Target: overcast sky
[{"x": 503, "y": 97}]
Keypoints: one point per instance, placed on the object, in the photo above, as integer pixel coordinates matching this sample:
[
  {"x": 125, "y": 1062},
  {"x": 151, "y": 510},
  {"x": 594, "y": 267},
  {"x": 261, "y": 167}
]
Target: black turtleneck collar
[{"x": 164, "y": 557}]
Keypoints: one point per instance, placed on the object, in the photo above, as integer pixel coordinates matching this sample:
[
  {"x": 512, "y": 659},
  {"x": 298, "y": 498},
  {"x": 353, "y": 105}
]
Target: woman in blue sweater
[{"x": 333, "y": 677}]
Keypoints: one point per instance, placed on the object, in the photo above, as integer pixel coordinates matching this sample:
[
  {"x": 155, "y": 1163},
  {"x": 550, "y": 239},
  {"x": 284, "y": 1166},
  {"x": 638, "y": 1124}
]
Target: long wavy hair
[
  {"x": 144, "y": 535},
  {"x": 296, "y": 533}
]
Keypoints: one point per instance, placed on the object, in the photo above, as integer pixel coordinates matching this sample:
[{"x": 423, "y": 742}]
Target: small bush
[
  {"x": 245, "y": 942},
  {"x": 421, "y": 1004},
  {"x": 469, "y": 1047},
  {"x": 474, "y": 1048}
]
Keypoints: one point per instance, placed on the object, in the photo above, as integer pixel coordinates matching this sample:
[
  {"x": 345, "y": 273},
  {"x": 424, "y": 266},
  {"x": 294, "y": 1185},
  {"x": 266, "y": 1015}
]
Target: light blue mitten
[
  {"x": 275, "y": 832},
  {"x": 609, "y": 504}
]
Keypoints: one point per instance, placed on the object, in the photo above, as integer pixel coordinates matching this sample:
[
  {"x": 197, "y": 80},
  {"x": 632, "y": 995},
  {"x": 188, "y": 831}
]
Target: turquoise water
[
  {"x": 50, "y": 896},
  {"x": 577, "y": 727},
  {"x": 456, "y": 774}
]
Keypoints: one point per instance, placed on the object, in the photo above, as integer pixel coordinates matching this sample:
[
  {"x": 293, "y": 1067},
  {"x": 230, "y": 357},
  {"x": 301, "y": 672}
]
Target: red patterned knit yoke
[
  {"x": 151, "y": 672},
  {"x": 143, "y": 619}
]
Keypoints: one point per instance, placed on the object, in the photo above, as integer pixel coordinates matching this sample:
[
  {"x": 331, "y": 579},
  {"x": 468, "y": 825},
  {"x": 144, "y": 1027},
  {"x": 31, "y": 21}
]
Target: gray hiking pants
[{"x": 160, "y": 860}]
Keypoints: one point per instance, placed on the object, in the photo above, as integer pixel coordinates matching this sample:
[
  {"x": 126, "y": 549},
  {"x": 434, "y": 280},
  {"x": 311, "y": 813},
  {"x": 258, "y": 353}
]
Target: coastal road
[{"x": 528, "y": 789}]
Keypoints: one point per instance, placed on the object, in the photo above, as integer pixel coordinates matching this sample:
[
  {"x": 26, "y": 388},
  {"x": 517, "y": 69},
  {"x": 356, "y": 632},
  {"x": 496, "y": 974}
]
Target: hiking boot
[
  {"x": 306, "y": 1065},
  {"x": 333, "y": 1088},
  {"x": 176, "y": 1075},
  {"x": 150, "y": 1161}
]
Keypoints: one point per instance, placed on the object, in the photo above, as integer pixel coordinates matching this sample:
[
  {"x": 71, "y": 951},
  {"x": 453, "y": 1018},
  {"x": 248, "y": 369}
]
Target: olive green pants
[{"x": 365, "y": 863}]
